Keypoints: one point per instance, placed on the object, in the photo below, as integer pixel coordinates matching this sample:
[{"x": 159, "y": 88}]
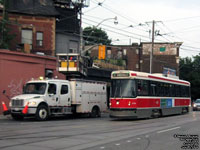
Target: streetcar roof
[{"x": 128, "y": 74}]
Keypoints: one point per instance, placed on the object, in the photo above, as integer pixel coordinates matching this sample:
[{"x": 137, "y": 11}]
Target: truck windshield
[
  {"x": 123, "y": 88},
  {"x": 35, "y": 88}
]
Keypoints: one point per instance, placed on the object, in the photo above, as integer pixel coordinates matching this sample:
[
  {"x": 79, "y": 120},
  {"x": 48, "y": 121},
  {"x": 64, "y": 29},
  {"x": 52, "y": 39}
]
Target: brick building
[
  {"x": 137, "y": 57},
  {"x": 46, "y": 26},
  {"x": 32, "y": 23},
  {"x": 165, "y": 57}
]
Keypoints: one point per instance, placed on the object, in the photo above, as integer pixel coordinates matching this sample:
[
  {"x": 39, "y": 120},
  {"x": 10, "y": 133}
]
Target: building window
[
  {"x": 109, "y": 53},
  {"x": 119, "y": 54},
  {"x": 39, "y": 38},
  {"x": 73, "y": 46},
  {"x": 27, "y": 37}
]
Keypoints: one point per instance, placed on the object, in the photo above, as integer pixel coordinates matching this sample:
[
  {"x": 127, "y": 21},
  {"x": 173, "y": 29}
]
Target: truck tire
[
  {"x": 95, "y": 112},
  {"x": 17, "y": 117},
  {"x": 42, "y": 113}
]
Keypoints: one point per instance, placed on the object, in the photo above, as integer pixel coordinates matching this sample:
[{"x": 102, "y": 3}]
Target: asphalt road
[{"x": 167, "y": 133}]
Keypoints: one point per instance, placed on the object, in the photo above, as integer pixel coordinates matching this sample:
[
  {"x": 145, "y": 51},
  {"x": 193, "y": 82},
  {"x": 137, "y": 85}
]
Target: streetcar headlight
[
  {"x": 110, "y": 104},
  {"x": 117, "y": 102}
]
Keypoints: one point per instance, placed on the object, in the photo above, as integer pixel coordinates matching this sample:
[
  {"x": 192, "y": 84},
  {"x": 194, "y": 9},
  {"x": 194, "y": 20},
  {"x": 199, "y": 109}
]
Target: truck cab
[{"x": 43, "y": 97}]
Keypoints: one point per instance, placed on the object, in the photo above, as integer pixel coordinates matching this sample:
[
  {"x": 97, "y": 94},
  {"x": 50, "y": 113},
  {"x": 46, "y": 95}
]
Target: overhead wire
[
  {"x": 164, "y": 34},
  {"x": 120, "y": 30}
]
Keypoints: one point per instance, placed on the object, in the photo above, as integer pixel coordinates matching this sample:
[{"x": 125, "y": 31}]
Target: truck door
[
  {"x": 65, "y": 97},
  {"x": 52, "y": 95}
]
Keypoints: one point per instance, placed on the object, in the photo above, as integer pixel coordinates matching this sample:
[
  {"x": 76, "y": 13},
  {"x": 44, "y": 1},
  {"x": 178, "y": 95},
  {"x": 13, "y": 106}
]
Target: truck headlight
[
  {"x": 32, "y": 103},
  {"x": 194, "y": 105}
]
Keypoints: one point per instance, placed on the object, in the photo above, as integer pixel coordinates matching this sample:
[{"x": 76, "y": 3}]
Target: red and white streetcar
[{"x": 144, "y": 95}]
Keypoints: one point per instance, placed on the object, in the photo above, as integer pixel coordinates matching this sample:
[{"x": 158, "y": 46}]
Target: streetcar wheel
[
  {"x": 42, "y": 113},
  {"x": 17, "y": 117}
]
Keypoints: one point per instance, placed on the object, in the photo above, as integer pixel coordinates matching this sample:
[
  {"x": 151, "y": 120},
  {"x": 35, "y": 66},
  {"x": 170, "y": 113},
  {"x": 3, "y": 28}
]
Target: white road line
[
  {"x": 117, "y": 144},
  {"x": 168, "y": 129},
  {"x": 102, "y": 147},
  {"x": 128, "y": 141}
]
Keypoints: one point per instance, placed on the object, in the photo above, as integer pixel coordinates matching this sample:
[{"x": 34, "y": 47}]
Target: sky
[{"x": 176, "y": 21}]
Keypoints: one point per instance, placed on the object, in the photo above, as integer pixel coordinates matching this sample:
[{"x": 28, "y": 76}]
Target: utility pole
[
  {"x": 152, "y": 46},
  {"x": 81, "y": 30}
]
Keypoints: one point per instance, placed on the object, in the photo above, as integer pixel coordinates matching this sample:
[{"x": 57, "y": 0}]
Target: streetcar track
[{"x": 105, "y": 128}]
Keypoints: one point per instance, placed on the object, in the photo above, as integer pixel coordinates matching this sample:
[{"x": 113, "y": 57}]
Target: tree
[
  {"x": 93, "y": 35},
  {"x": 5, "y": 36},
  {"x": 190, "y": 71}
]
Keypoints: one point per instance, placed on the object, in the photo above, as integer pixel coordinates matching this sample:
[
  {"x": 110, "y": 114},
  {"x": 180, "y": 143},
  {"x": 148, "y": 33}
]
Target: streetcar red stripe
[
  {"x": 133, "y": 74},
  {"x": 182, "y": 102}
]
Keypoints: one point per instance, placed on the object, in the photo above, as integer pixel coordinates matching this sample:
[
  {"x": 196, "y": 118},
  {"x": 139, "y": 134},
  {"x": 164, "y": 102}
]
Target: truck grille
[{"x": 17, "y": 102}]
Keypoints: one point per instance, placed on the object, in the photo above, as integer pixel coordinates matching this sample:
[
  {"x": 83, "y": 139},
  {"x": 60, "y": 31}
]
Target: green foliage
[
  {"x": 190, "y": 71},
  {"x": 93, "y": 35}
]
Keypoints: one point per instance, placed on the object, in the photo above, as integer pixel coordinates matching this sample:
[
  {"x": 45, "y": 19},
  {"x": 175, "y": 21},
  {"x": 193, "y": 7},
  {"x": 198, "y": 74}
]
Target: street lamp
[{"x": 115, "y": 22}]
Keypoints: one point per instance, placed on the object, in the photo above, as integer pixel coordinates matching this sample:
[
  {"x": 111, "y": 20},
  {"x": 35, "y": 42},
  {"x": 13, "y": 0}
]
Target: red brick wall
[{"x": 17, "y": 68}]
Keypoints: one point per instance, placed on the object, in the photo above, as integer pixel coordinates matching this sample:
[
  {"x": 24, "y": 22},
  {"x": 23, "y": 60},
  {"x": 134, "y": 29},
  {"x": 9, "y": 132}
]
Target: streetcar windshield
[
  {"x": 35, "y": 88},
  {"x": 124, "y": 88}
]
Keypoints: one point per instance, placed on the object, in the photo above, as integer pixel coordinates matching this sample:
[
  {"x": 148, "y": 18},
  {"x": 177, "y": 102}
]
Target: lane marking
[
  {"x": 102, "y": 147},
  {"x": 117, "y": 144},
  {"x": 138, "y": 138},
  {"x": 128, "y": 141},
  {"x": 168, "y": 129}
]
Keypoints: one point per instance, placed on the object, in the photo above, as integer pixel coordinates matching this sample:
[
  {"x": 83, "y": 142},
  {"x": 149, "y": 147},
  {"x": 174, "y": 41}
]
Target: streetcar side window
[
  {"x": 172, "y": 91},
  {"x": 185, "y": 91},
  {"x": 177, "y": 88},
  {"x": 142, "y": 87},
  {"x": 153, "y": 88}
]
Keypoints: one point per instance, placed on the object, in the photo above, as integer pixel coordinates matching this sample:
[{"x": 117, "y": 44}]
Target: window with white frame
[
  {"x": 27, "y": 37},
  {"x": 39, "y": 38}
]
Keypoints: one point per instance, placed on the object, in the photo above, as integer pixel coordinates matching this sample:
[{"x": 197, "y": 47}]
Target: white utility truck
[{"x": 45, "y": 98}]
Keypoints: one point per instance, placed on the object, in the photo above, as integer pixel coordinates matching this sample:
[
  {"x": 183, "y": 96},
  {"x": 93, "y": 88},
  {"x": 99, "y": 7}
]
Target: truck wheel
[
  {"x": 17, "y": 117},
  {"x": 95, "y": 112},
  {"x": 42, "y": 113}
]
